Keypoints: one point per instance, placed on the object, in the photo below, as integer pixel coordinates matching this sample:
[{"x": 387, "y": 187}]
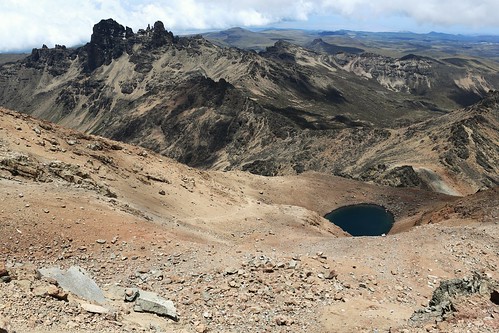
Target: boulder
[
  {"x": 76, "y": 281},
  {"x": 153, "y": 303}
]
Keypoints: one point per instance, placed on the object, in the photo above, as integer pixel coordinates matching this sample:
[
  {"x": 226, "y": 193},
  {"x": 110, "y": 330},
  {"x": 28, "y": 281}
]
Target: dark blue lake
[{"x": 362, "y": 219}]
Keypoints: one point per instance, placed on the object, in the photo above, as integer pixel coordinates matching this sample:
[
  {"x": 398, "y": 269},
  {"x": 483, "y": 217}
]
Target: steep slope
[{"x": 283, "y": 111}]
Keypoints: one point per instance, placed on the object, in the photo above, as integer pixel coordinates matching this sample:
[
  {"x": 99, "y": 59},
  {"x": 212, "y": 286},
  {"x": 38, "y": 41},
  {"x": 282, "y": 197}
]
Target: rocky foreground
[
  {"x": 264, "y": 290},
  {"x": 167, "y": 248}
]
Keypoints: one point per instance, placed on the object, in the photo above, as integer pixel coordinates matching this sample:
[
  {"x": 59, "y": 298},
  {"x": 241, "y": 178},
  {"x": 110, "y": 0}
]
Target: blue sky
[{"x": 25, "y": 24}]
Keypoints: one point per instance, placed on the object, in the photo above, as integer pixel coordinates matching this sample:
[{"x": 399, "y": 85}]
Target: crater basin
[{"x": 362, "y": 219}]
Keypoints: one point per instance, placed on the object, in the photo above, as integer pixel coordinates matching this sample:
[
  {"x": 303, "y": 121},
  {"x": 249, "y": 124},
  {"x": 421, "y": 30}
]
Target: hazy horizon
[{"x": 28, "y": 24}]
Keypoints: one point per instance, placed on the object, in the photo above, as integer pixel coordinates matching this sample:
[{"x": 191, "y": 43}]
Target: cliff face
[{"x": 283, "y": 111}]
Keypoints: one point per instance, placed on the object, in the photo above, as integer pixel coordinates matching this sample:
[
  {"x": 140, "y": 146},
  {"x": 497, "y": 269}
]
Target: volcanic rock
[
  {"x": 106, "y": 44},
  {"x": 160, "y": 36}
]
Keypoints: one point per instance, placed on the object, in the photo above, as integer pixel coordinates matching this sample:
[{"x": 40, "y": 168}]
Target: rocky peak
[
  {"x": 160, "y": 36},
  {"x": 317, "y": 41},
  {"x": 108, "y": 42},
  {"x": 280, "y": 50},
  {"x": 106, "y": 32}
]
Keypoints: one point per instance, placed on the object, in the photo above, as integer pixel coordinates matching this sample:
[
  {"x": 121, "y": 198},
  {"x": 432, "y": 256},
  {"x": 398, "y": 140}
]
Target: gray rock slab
[
  {"x": 77, "y": 281},
  {"x": 153, "y": 303}
]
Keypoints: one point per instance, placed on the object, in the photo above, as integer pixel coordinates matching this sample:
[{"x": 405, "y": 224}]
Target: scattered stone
[
  {"x": 92, "y": 308},
  {"x": 94, "y": 146},
  {"x": 283, "y": 320},
  {"x": 101, "y": 241},
  {"x": 3, "y": 270},
  {"x": 153, "y": 303},
  {"x": 201, "y": 328},
  {"x": 494, "y": 296},
  {"x": 50, "y": 290},
  {"x": 76, "y": 281},
  {"x": 442, "y": 305},
  {"x": 292, "y": 264},
  {"x": 268, "y": 268},
  {"x": 331, "y": 275},
  {"x": 162, "y": 192},
  {"x": 5, "y": 279},
  {"x": 131, "y": 294}
]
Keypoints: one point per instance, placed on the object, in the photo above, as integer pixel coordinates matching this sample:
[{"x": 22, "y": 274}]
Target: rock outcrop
[
  {"x": 108, "y": 42},
  {"x": 442, "y": 306}
]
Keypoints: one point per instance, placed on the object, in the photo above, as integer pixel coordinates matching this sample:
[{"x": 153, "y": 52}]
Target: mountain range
[{"x": 284, "y": 110}]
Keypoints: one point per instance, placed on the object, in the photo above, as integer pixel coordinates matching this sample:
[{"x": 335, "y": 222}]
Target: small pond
[{"x": 362, "y": 219}]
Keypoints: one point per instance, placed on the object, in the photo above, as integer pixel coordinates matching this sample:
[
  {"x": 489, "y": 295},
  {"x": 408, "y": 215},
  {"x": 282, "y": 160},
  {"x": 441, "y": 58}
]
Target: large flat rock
[{"x": 77, "y": 281}]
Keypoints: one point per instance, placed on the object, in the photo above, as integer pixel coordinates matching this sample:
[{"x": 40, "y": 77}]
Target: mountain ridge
[{"x": 274, "y": 112}]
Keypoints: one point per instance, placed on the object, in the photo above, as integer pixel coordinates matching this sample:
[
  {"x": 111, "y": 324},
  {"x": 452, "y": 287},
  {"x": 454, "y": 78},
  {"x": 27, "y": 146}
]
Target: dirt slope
[{"x": 235, "y": 252}]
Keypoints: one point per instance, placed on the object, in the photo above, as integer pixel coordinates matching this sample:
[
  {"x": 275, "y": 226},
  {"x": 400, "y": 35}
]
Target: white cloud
[{"x": 30, "y": 23}]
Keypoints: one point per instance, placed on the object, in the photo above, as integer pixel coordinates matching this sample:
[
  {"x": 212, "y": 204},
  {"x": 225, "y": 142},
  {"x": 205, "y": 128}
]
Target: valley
[
  {"x": 280, "y": 112},
  {"x": 185, "y": 167}
]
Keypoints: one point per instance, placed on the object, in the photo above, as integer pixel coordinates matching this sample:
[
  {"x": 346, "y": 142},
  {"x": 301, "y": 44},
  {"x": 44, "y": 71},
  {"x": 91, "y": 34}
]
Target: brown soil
[{"x": 223, "y": 242}]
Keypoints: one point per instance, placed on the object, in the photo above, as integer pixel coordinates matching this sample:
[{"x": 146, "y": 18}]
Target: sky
[{"x": 25, "y": 24}]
